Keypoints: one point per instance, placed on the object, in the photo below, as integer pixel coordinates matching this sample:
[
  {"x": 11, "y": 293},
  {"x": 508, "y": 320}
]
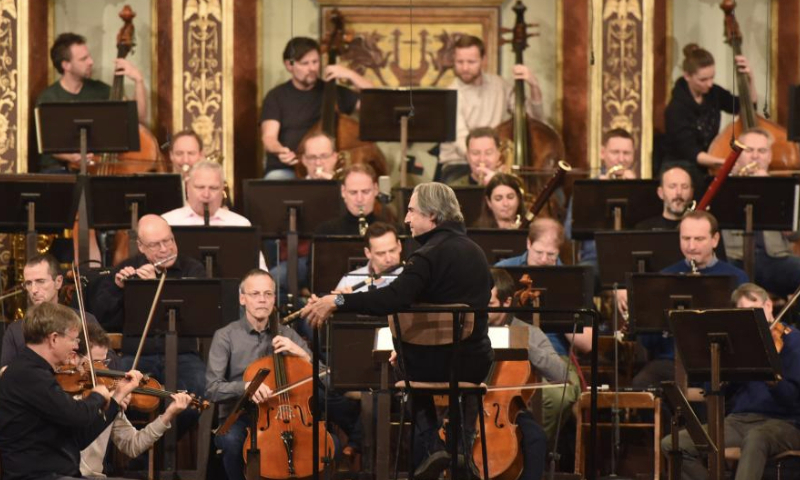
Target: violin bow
[
  {"x": 150, "y": 316},
  {"x": 76, "y": 274}
]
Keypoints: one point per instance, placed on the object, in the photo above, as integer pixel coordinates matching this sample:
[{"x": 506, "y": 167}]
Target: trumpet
[
  {"x": 362, "y": 222},
  {"x": 748, "y": 169},
  {"x": 616, "y": 171}
]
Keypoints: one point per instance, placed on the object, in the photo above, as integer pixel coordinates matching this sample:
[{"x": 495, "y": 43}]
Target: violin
[{"x": 74, "y": 379}]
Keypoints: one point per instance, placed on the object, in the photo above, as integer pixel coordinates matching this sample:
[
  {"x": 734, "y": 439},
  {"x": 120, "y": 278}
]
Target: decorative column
[{"x": 13, "y": 86}]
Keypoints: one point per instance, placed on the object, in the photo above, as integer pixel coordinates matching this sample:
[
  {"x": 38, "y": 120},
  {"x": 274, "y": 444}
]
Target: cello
[
  {"x": 785, "y": 154},
  {"x": 284, "y": 429},
  {"x": 536, "y": 145},
  {"x": 342, "y": 128}
]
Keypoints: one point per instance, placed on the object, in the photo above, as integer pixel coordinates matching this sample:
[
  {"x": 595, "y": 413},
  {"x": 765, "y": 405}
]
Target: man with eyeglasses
[
  {"x": 777, "y": 267},
  {"x": 157, "y": 246},
  {"x": 319, "y": 157},
  {"x": 233, "y": 348},
  {"x": 42, "y": 428},
  {"x": 42, "y": 281}
]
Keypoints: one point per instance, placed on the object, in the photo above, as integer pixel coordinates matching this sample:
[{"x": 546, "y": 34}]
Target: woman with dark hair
[
  {"x": 505, "y": 205},
  {"x": 692, "y": 117}
]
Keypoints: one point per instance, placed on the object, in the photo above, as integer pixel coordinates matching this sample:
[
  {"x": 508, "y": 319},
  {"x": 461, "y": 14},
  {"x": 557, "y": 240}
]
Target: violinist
[
  {"x": 185, "y": 149},
  {"x": 692, "y": 117},
  {"x": 71, "y": 58},
  {"x": 764, "y": 417},
  {"x": 292, "y": 108},
  {"x": 383, "y": 251},
  {"x": 233, "y": 348},
  {"x": 448, "y": 268},
  {"x": 157, "y": 246},
  {"x": 777, "y": 267},
  {"x": 484, "y": 100},
  {"x": 130, "y": 441},
  {"x": 42, "y": 428},
  {"x": 42, "y": 281},
  {"x": 675, "y": 189},
  {"x": 483, "y": 157},
  {"x": 699, "y": 235},
  {"x": 504, "y": 205}
]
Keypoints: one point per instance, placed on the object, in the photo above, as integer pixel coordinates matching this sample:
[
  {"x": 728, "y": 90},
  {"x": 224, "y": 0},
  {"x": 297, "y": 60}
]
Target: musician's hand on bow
[
  {"x": 262, "y": 394},
  {"x": 284, "y": 344},
  {"x": 622, "y": 302},
  {"x": 318, "y": 310},
  {"x": 147, "y": 272},
  {"x": 287, "y": 157},
  {"x": 124, "y": 274}
]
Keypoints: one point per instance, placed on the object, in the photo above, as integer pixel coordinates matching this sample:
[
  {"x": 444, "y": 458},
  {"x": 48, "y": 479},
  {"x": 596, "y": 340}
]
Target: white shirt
[
  {"x": 361, "y": 274},
  {"x": 126, "y": 437},
  {"x": 223, "y": 217}
]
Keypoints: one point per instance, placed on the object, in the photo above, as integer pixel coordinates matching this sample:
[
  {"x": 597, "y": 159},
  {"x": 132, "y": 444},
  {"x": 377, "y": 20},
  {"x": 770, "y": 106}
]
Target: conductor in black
[{"x": 447, "y": 268}]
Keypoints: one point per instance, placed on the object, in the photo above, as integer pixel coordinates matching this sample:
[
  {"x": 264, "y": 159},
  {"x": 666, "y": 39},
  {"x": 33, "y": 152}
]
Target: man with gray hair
[{"x": 448, "y": 268}]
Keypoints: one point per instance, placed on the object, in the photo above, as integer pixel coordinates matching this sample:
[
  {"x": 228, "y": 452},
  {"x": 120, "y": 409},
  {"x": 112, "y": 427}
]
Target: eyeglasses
[
  {"x": 166, "y": 243},
  {"x": 267, "y": 295},
  {"x": 76, "y": 339},
  {"x": 317, "y": 158}
]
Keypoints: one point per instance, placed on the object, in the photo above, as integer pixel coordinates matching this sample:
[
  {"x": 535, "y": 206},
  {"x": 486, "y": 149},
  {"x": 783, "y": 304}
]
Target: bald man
[{"x": 157, "y": 246}]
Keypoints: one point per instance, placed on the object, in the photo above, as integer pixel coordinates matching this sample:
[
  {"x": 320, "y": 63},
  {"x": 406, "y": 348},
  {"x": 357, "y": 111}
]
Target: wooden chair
[
  {"x": 435, "y": 328},
  {"x": 605, "y": 400},
  {"x": 776, "y": 466}
]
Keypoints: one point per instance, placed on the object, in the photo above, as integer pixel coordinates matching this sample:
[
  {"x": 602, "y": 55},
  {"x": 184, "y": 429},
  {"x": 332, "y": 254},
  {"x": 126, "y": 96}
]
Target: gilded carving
[
  {"x": 202, "y": 76},
  {"x": 622, "y": 66},
  {"x": 9, "y": 108}
]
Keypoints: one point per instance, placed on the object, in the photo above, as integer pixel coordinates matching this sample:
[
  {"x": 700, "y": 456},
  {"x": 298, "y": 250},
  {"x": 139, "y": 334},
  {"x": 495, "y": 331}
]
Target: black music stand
[
  {"x": 101, "y": 127},
  {"x": 119, "y": 201},
  {"x": 499, "y": 244},
  {"x": 561, "y": 287},
  {"x": 731, "y": 345},
  {"x": 471, "y": 200},
  {"x": 624, "y": 252},
  {"x": 652, "y": 295},
  {"x": 612, "y": 205},
  {"x": 56, "y": 195},
  {"x": 227, "y": 252},
  {"x": 332, "y": 257},
  {"x": 291, "y": 208},
  {"x": 392, "y": 118},
  {"x": 683, "y": 416},
  {"x": 187, "y": 308},
  {"x": 756, "y": 203}
]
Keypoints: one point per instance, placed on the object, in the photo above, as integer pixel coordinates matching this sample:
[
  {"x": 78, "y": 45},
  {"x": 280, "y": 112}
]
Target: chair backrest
[{"x": 432, "y": 328}]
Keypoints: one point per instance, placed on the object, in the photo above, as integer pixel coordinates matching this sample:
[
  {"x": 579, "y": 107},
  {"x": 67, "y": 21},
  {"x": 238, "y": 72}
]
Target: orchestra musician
[
  {"x": 72, "y": 60},
  {"x": 42, "y": 280},
  {"x": 675, "y": 189},
  {"x": 545, "y": 237},
  {"x": 157, "y": 246},
  {"x": 42, "y": 428},
  {"x": 319, "y": 157},
  {"x": 692, "y": 117},
  {"x": 763, "y": 417},
  {"x": 448, "y": 268},
  {"x": 127, "y": 438},
  {"x": 233, "y": 348},
  {"x": 185, "y": 149},
  {"x": 383, "y": 251},
  {"x": 483, "y": 157},
  {"x": 504, "y": 205},
  {"x": 699, "y": 236},
  {"x": 544, "y": 360},
  {"x": 777, "y": 268},
  {"x": 484, "y": 100},
  {"x": 292, "y": 108}
]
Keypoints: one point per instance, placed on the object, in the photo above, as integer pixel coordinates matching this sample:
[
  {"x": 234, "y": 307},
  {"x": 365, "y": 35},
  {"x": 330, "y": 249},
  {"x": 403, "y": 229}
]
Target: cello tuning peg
[
  {"x": 532, "y": 25},
  {"x": 506, "y": 30}
]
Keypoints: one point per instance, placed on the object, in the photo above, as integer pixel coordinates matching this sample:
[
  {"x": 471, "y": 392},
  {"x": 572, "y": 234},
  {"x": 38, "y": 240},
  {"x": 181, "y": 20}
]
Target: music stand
[
  {"x": 612, "y": 205},
  {"x": 731, "y": 345},
  {"x": 624, "y": 252},
  {"x": 291, "y": 208},
  {"x": 332, "y": 257},
  {"x": 768, "y": 203},
  {"x": 189, "y": 308},
  {"x": 119, "y": 201},
  {"x": 56, "y": 195},
  {"x": 101, "y": 126},
  {"x": 228, "y": 252},
  {"x": 392, "y": 119},
  {"x": 471, "y": 200},
  {"x": 565, "y": 287},
  {"x": 683, "y": 415},
  {"x": 499, "y": 244}
]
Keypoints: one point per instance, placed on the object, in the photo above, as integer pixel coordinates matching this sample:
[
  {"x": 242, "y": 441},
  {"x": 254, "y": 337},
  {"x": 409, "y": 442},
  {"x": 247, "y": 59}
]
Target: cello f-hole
[{"x": 497, "y": 422}]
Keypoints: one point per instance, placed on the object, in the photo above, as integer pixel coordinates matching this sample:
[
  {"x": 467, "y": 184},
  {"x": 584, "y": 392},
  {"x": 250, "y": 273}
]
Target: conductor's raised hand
[{"x": 318, "y": 310}]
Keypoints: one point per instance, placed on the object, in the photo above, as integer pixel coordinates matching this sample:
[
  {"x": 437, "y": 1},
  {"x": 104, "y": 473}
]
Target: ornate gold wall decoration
[
  {"x": 622, "y": 94},
  {"x": 202, "y": 84},
  {"x": 9, "y": 87},
  {"x": 390, "y": 52}
]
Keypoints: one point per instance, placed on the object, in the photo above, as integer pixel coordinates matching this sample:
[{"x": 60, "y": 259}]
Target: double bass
[
  {"x": 785, "y": 154},
  {"x": 284, "y": 429},
  {"x": 342, "y": 128}
]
